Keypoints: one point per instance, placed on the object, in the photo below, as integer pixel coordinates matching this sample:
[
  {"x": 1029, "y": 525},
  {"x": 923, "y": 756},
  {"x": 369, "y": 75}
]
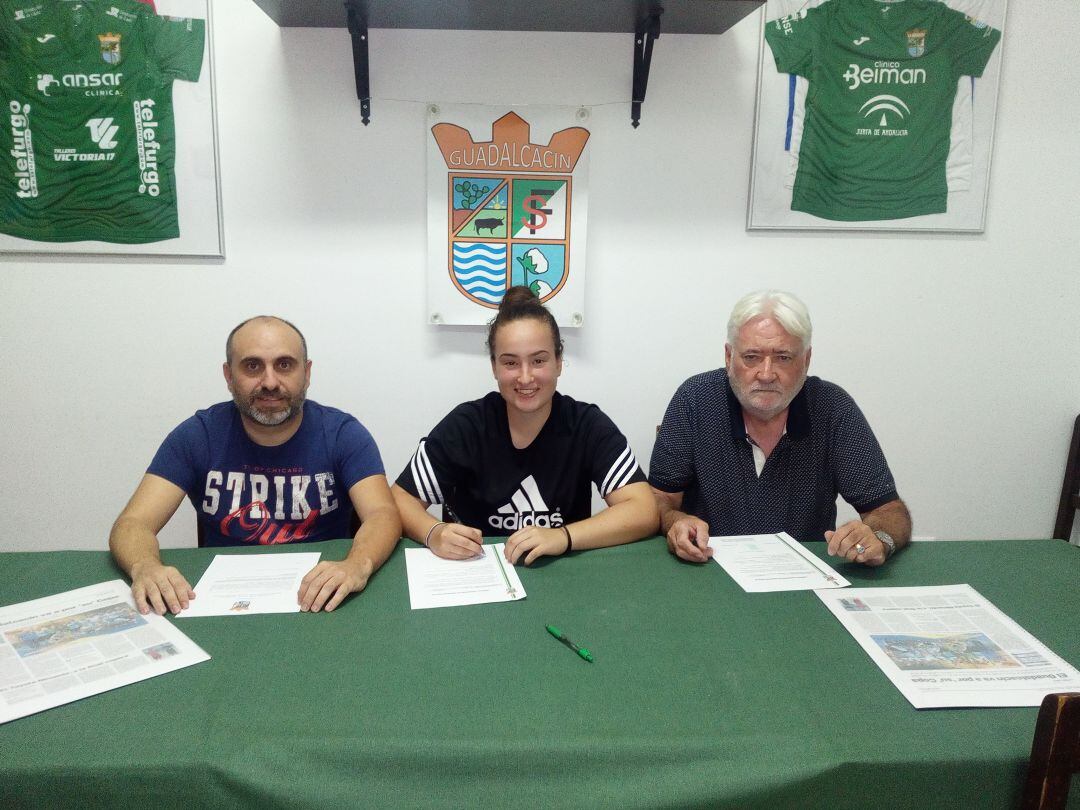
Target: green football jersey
[
  {"x": 882, "y": 75},
  {"x": 87, "y": 147}
]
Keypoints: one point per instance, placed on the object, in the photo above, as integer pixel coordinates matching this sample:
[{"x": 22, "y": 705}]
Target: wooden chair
[
  {"x": 1070, "y": 489},
  {"x": 1055, "y": 753}
]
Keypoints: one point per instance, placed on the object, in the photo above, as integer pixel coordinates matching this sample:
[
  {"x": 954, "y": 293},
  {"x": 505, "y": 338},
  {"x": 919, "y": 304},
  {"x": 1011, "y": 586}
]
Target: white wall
[{"x": 961, "y": 349}]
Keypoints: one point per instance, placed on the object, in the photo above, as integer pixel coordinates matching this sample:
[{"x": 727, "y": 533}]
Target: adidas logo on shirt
[{"x": 526, "y": 508}]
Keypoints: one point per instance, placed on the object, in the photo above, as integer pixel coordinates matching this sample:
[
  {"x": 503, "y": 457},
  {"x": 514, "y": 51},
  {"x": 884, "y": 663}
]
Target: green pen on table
[{"x": 557, "y": 633}]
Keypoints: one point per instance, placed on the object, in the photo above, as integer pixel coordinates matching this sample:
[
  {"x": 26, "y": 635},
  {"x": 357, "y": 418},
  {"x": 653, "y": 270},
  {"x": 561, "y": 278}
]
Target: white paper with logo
[{"x": 245, "y": 584}]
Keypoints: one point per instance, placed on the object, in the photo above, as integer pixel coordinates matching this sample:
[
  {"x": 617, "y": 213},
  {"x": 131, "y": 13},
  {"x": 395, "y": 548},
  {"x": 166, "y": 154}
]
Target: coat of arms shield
[{"x": 509, "y": 218}]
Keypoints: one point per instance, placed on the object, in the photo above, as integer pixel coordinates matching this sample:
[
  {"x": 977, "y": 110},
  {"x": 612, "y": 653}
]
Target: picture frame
[
  {"x": 778, "y": 120},
  {"x": 197, "y": 177}
]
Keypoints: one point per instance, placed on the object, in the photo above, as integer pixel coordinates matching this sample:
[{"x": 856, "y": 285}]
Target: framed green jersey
[
  {"x": 89, "y": 149},
  {"x": 885, "y": 120}
]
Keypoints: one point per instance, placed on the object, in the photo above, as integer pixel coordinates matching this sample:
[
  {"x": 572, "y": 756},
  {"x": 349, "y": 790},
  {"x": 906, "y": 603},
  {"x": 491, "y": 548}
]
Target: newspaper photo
[
  {"x": 947, "y": 646},
  {"x": 65, "y": 647}
]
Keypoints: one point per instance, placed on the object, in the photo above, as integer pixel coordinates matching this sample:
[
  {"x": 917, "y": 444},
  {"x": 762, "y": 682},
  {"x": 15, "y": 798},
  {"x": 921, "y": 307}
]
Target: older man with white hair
[{"x": 759, "y": 447}]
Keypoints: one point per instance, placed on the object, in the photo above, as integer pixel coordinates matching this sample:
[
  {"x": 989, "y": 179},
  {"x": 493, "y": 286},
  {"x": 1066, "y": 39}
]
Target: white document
[
  {"x": 435, "y": 582},
  {"x": 242, "y": 584},
  {"x": 65, "y": 647},
  {"x": 946, "y": 645},
  {"x": 772, "y": 562}
]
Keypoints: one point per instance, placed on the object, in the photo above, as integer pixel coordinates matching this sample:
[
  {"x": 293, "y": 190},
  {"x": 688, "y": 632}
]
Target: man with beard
[
  {"x": 758, "y": 447},
  {"x": 269, "y": 467}
]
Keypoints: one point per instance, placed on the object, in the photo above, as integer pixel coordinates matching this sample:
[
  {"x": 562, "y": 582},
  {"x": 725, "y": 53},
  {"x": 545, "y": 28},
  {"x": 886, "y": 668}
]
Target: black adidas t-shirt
[{"x": 469, "y": 463}]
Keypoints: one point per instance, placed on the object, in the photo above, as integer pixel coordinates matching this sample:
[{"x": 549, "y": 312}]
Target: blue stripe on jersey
[{"x": 790, "y": 111}]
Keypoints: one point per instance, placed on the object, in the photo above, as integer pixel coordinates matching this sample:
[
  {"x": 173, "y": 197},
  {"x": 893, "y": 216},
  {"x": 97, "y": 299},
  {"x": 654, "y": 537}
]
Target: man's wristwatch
[{"x": 887, "y": 541}]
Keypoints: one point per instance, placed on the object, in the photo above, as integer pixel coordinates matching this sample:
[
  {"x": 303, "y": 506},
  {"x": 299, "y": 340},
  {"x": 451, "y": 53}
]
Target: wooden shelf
[
  {"x": 645, "y": 19},
  {"x": 598, "y": 16}
]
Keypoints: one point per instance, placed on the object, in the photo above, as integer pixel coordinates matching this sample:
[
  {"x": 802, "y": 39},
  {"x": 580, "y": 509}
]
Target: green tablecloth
[{"x": 701, "y": 695}]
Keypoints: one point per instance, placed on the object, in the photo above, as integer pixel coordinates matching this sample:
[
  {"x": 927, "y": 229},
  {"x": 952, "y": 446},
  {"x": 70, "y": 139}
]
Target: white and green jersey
[
  {"x": 882, "y": 78},
  {"x": 87, "y": 144}
]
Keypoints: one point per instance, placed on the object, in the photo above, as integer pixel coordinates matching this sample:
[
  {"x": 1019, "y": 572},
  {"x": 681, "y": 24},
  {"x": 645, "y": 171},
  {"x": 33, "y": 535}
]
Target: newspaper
[
  {"x": 948, "y": 646},
  {"x": 65, "y": 647}
]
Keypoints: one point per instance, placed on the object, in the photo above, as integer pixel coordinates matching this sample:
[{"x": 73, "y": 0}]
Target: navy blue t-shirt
[
  {"x": 702, "y": 451},
  {"x": 244, "y": 493}
]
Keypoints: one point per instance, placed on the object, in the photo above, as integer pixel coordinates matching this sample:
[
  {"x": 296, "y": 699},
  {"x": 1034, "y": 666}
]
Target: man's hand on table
[
  {"x": 329, "y": 582},
  {"x": 688, "y": 539},
  {"x": 159, "y": 587},
  {"x": 856, "y": 542}
]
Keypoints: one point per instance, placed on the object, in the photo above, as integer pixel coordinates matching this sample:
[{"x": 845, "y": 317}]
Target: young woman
[{"x": 519, "y": 462}]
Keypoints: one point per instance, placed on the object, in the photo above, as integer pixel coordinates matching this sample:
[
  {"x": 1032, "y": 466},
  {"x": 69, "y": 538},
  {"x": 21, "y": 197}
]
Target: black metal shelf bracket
[
  {"x": 648, "y": 31},
  {"x": 358, "y": 30}
]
